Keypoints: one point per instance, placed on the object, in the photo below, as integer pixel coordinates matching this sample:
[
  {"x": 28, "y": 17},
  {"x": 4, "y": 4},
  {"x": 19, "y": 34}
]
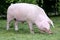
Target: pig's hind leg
[
  {"x": 9, "y": 18},
  {"x": 16, "y": 25}
]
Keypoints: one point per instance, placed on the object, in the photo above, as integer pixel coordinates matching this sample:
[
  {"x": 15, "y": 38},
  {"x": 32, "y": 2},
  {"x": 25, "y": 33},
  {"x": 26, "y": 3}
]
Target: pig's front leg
[{"x": 30, "y": 26}]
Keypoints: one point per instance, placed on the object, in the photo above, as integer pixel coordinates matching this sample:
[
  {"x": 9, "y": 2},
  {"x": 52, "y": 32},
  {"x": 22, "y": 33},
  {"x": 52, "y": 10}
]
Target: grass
[{"x": 24, "y": 33}]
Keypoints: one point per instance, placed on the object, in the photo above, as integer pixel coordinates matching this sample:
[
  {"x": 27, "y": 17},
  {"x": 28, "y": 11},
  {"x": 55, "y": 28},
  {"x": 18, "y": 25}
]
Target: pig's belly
[{"x": 20, "y": 18}]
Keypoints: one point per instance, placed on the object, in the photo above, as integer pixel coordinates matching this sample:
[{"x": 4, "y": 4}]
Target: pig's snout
[{"x": 47, "y": 31}]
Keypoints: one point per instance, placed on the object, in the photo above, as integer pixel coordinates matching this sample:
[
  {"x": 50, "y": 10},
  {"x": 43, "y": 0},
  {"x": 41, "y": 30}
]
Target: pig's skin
[{"x": 29, "y": 13}]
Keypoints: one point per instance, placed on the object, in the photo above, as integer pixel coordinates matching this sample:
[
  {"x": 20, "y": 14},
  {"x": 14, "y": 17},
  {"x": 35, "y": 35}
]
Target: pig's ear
[{"x": 51, "y": 23}]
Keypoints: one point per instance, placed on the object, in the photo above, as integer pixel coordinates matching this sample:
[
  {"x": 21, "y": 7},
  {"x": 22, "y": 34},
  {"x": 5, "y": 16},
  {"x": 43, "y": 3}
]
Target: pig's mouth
[{"x": 45, "y": 30}]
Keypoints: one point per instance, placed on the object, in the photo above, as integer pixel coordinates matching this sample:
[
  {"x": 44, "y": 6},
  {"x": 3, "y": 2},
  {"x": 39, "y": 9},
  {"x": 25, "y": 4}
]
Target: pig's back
[{"x": 23, "y": 11}]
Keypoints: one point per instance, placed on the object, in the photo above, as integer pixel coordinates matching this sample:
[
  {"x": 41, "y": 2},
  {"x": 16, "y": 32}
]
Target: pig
[{"x": 32, "y": 14}]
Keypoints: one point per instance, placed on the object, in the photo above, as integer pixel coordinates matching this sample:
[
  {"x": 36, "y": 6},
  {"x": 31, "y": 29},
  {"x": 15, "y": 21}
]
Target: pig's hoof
[
  {"x": 32, "y": 32},
  {"x": 7, "y": 29},
  {"x": 16, "y": 30}
]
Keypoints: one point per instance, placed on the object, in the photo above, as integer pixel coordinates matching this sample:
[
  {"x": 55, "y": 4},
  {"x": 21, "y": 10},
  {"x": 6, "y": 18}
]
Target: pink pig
[{"x": 30, "y": 13}]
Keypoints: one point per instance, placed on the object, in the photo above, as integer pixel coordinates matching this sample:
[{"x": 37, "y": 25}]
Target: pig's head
[{"x": 44, "y": 26}]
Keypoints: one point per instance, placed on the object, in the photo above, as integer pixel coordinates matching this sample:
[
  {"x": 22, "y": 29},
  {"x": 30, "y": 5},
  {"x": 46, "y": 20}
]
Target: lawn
[{"x": 24, "y": 33}]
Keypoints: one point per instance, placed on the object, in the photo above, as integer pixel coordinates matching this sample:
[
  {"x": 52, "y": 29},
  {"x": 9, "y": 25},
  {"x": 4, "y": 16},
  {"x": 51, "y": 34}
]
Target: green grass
[{"x": 24, "y": 33}]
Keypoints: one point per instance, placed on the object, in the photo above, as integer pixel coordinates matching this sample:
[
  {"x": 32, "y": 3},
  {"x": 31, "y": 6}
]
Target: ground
[{"x": 24, "y": 33}]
